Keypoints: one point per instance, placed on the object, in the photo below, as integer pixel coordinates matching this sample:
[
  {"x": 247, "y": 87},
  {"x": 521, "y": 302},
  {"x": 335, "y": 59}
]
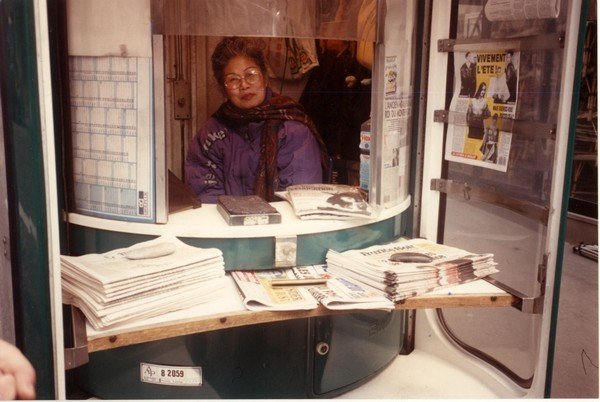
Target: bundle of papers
[
  {"x": 407, "y": 268},
  {"x": 328, "y": 201},
  {"x": 303, "y": 288},
  {"x": 342, "y": 293},
  {"x": 141, "y": 281}
]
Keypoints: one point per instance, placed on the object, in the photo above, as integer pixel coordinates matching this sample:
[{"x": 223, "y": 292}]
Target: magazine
[
  {"x": 486, "y": 97},
  {"x": 328, "y": 201}
]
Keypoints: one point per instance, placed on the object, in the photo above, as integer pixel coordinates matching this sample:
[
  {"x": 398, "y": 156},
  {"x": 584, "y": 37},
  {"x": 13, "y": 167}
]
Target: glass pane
[
  {"x": 333, "y": 19},
  {"x": 508, "y": 335}
]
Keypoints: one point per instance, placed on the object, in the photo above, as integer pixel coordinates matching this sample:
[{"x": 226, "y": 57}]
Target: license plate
[{"x": 171, "y": 375}]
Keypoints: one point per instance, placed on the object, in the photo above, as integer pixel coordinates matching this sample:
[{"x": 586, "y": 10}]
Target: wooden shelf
[{"x": 475, "y": 294}]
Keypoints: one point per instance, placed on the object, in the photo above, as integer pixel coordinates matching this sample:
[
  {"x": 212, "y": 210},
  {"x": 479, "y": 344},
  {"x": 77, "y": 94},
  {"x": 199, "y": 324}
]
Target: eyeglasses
[{"x": 251, "y": 76}]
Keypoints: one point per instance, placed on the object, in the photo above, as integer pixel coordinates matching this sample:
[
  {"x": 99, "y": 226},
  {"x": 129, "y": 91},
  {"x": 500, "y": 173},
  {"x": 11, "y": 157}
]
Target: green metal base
[
  {"x": 275, "y": 360},
  {"x": 247, "y": 253}
]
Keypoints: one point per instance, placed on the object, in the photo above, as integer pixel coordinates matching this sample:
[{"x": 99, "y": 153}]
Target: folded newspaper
[
  {"x": 260, "y": 295},
  {"x": 335, "y": 293},
  {"x": 407, "y": 268},
  {"x": 141, "y": 281},
  {"x": 328, "y": 201}
]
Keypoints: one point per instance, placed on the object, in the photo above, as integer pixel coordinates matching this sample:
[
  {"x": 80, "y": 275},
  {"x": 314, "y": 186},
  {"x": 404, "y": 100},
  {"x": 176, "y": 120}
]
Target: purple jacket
[{"x": 223, "y": 161}]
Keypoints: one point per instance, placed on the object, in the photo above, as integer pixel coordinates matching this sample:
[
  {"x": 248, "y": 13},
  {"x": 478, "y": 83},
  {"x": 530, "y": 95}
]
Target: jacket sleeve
[
  {"x": 204, "y": 167},
  {"x": 299, "y": 156}
]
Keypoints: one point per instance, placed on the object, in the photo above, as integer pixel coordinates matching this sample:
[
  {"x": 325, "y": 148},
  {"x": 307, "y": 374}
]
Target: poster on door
[{"x": 484, "y": 103}]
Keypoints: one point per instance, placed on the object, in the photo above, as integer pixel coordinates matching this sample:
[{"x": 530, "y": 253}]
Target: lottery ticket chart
[{"x": 112, "y": 137}]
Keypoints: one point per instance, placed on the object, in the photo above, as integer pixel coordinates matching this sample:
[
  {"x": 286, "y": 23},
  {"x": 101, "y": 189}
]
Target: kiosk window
[{"x": 321, "y": 53}]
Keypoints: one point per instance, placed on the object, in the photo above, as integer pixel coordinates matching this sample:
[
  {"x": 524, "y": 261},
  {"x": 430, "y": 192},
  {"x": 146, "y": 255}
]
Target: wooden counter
[{"x": 474, "y": 294}]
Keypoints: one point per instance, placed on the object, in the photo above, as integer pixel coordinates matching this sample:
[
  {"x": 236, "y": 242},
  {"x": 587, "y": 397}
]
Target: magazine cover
[{"x": 486, "y": 93}]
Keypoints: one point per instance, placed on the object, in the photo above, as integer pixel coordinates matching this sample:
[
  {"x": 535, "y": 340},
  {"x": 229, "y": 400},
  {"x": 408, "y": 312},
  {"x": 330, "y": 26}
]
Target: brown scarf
[{"x": 279, "y": 108}]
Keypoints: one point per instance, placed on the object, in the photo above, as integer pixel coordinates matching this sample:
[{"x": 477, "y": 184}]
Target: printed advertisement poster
[
  {"x": 395, "y": 155},
  {"x": 486, "y": 89}
]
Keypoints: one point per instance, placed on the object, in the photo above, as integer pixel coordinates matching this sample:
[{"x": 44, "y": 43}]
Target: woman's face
[
  {"x": 244, "y": 83},
  {"x": 482, "y": 91}
]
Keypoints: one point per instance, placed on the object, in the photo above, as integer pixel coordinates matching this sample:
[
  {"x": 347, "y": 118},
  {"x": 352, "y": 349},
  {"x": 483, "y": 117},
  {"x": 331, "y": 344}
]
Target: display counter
[
  {"x": 250, "y": 354},
  {"x": 243, "y": 247}
]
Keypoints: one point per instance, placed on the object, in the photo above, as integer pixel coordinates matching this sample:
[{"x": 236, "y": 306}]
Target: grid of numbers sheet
[{"x": 112, "y": 141}]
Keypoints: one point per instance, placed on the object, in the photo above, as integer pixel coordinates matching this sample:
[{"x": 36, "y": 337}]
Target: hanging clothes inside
[{"x": 337, "y": 96}]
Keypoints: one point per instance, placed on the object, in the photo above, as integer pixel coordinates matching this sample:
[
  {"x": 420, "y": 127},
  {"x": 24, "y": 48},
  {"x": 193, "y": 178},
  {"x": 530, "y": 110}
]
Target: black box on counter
[{"x": 246, "y": 210}]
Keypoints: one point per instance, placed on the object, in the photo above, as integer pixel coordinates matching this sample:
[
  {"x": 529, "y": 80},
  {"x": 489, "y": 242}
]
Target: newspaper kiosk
[{"x": 441, "y": 167}]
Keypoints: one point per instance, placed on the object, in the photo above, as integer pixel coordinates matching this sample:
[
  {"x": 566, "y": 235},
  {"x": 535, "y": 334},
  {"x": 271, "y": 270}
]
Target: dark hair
[
  {"x": 511, "y": 52},
  {"x": 234, "y": 46},
  {"x": 479, "y": 88}
]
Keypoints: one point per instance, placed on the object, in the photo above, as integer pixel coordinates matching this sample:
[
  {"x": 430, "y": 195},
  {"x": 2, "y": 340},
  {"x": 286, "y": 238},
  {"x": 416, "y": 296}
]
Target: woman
[
  {"x": 498, "y": 88},
  {"x": 477, "y": 112},
  {"x": 258, "y": 142},
  {"x": 489, "y": 145}
]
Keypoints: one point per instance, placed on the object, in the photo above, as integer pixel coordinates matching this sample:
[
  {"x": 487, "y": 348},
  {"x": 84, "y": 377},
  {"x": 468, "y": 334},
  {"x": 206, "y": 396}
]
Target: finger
[
  {"x": 25, "y": 382},
  {"x": 8, "y": 387}
]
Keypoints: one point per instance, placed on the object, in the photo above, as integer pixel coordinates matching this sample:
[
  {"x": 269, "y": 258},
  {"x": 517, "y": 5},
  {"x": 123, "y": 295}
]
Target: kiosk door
[{"x": 495, "y": 183}]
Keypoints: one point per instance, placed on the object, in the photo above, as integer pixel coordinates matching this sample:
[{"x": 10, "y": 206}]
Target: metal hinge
[{"x": 542, "y": 270}]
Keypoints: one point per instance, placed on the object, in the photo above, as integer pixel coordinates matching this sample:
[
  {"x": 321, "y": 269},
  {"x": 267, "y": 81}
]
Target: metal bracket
[
  {"x": 442, "y": 116},
  {"x": 285, "y": 251},
  {"x": 535, "y": 42},
  {"x": 182, "y": 103},
  {"x": 542, "y": 270},
  {"x": 529, "y": 128},
  {"x": 78, "y": 354},
  {"x": 464, "y": 190},
  {"x": 526, "y": 304}
]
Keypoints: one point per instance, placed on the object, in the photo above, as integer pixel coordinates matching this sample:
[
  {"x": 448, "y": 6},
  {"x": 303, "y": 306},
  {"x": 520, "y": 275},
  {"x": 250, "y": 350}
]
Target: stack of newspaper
[
  {"x": 303, "y": 288},
  {"x": 328, "y": 201},
  {"x": 407, "y": 268},
  {"x": 144, "y": 280}
]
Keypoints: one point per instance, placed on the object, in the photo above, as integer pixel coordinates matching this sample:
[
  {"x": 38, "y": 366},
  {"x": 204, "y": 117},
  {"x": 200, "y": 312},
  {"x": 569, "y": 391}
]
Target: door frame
[{"x": 433, "y": 160}]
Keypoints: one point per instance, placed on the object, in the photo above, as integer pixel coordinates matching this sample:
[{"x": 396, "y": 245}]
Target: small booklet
[{"x": 246, "y": 210}]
